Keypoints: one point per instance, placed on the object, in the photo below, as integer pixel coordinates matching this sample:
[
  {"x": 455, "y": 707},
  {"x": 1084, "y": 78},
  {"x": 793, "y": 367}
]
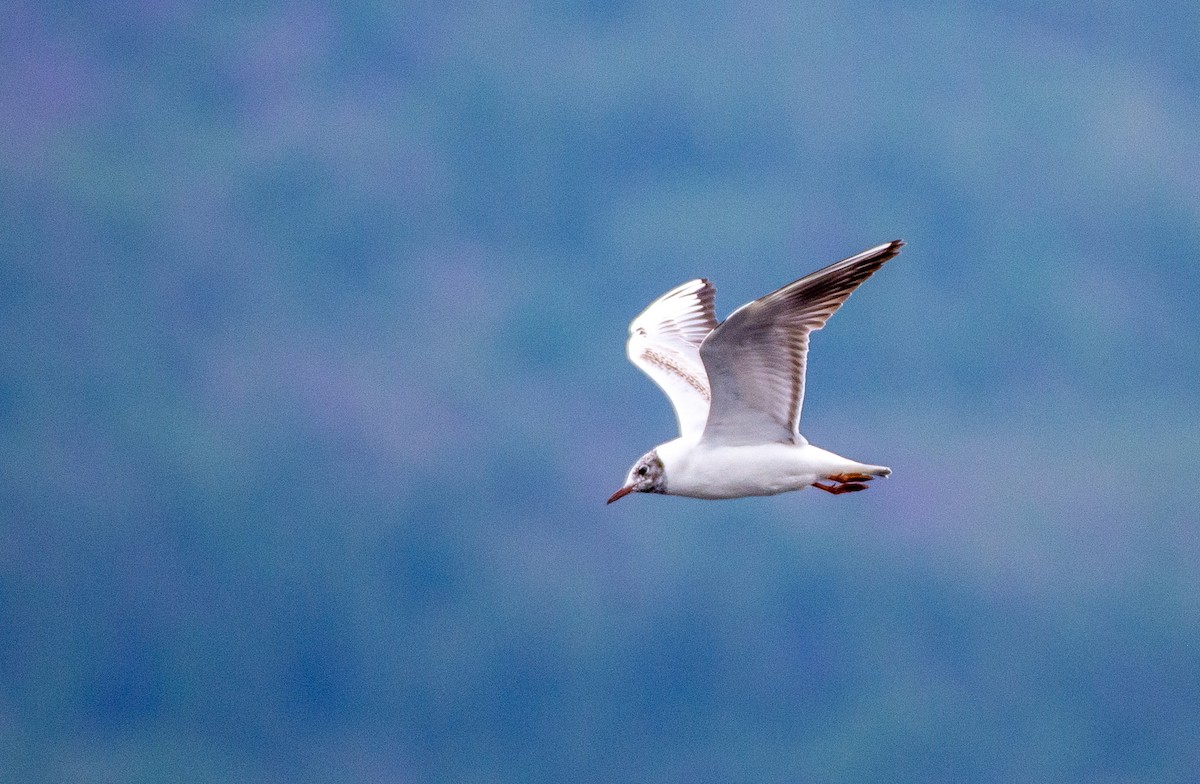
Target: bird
[{"x": 737, "y": 388}]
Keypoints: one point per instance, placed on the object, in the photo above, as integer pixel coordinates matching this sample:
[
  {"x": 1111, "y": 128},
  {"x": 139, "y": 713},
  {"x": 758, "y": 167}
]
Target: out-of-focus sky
[{"x": 312, "y": 387}]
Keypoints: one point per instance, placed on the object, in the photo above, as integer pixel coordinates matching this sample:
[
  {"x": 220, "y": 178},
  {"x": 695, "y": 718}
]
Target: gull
[{"x": 737, "y": 388}]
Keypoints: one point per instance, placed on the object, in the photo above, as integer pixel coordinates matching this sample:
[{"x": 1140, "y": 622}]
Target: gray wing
[
  {"x": 664, "y": 341},
  {"x": 755, "y": 360}
]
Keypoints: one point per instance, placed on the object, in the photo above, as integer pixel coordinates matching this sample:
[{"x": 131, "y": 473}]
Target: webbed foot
[{"x": 841, "y": 487}]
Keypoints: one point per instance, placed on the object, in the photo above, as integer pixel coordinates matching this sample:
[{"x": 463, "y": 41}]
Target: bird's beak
[{"x": 624, "y": 491}]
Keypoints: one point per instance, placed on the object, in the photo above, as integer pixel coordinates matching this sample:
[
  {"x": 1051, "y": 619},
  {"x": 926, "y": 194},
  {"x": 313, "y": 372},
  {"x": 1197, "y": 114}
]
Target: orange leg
[
  {"x": 838, "y": 489},
  {"x": 844, "y": 478}
]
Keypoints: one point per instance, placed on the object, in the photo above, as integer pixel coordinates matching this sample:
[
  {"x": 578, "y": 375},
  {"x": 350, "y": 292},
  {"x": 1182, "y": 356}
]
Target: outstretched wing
[
  {"x": 755, "y": 360},
  {"x": 664, "y": 341}
]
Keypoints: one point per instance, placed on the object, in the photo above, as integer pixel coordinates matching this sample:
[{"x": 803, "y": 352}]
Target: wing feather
[
  {"x": 755, "y": 360},
  {"x": 664, "y": 341}
]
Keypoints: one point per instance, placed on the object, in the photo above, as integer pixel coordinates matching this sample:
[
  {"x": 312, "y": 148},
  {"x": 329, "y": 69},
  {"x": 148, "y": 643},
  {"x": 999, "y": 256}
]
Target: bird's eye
[{"x": 642, "y": 470}]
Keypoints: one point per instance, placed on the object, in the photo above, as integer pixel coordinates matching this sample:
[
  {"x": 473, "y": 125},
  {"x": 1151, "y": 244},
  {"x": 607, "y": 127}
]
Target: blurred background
[{"x": 313, "y": 386}]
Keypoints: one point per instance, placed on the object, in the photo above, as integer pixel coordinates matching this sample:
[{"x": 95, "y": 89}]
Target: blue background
[{"x": 312, "y": 387}]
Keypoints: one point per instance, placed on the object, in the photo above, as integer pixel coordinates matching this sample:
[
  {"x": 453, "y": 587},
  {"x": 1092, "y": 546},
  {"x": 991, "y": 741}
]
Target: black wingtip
[
  {"x": 877, "y": 256},
  {"x": 867, "y": 261},
  {"x": 893, "y": 247}
]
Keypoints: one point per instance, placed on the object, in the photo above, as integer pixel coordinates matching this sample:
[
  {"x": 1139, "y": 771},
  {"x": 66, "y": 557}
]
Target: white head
[{"x": 646, "y": 476}]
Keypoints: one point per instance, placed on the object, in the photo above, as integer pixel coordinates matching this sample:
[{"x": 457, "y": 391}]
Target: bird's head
[{"x": 646, "y": 476}]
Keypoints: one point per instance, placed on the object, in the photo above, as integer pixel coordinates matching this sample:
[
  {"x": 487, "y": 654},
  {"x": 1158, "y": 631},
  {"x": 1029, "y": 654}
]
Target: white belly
[{"x": 737, "y": 471}]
